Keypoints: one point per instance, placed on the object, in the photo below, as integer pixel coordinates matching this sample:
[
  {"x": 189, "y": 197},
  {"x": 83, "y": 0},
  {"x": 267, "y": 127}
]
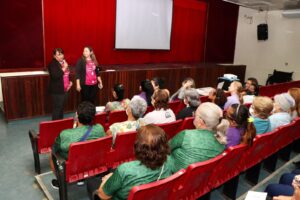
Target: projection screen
[{"x": 143, "y": 24}]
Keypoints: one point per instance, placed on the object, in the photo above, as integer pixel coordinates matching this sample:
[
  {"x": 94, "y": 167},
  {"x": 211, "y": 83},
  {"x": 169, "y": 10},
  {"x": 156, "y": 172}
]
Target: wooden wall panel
[{"x": 27, "y": 96}]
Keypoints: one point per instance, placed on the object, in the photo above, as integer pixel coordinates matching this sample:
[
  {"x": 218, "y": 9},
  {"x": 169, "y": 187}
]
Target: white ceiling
[{"x": 268, "y": 4}]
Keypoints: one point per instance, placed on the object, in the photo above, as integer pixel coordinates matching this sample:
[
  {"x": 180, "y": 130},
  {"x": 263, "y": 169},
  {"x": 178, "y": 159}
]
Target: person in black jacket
[
  {"x": 59, "y": 83},
  {"x": 88, "y": 79}
]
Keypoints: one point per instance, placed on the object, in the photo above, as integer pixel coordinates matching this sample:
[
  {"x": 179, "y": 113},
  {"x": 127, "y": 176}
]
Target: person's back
[
  {"x": 283, "y": 105},
  {"x": 260, "y": 110},
  {"x": 279, "y": 119},
  {"x": 69, "y": 136},
  {"x": 191, "y": 146},
  {"x": 160, "y": 116},
  {"x": 162, "y": 113},
  {"x": 134, "y": 173}
]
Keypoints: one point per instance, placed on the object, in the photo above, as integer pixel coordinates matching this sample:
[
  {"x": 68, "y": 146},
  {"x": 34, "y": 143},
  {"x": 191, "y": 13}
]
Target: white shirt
[{"x": 160, "y": 117}]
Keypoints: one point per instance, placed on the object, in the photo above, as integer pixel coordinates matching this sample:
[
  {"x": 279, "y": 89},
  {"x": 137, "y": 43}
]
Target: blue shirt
[
  {"x": 261, "y": 125},
  {"x": 279, "y": 119}
]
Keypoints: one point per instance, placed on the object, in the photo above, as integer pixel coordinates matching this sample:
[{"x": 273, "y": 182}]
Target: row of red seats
[
  {"x": 272, "y": 90},
  {"x": 43, "y": 141},
  {"x": 96, "y": 156},
  {"x": 200, "y": 178}
]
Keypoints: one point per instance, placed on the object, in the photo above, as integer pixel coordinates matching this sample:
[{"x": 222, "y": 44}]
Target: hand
[
  {"x": 100, "y": 86},
  {"x": 78, "y": 88},
  {"x": 65, "y": 66},
  {"x": 70, "y": 85},
  {"x": 283, "y": 198}
]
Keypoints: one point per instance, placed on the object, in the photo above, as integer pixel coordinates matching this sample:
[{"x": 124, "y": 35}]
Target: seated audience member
[
  {"x": 158, "y": 83},
  {"x": 162, "y": 113},
  {"x": 200, "y": 144},
  {"x": 120, "y": 103},
  {"x": 251, "y": 87},
  {"x": 260, "y": 111},
  {"x": 135, "y": 110},
  {"x": 283, "y": 105},
  {"x": 192, "y": 101},
  {"x": 217, "y": 96},
  {"x": 285, "y": 185},
  {"x": 84, "y": 131},
  {"x": 186, "y": 84},
  {"x": 241, "y": 129},
  {"x": 152, "y": 164},
  {"x": 235, "y": 97},
  {"x": 146, "y": 89},
  {"x": 295, "y": 93}
]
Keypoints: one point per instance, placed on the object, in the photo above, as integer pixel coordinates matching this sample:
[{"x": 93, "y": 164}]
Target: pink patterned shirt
[
  {"x": 66, "y": 77},
  {"x": 90, "y": 75}
]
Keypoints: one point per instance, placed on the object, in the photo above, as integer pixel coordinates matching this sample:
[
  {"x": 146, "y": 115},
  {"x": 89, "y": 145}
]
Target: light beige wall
[{"x": 281, "y": 51}]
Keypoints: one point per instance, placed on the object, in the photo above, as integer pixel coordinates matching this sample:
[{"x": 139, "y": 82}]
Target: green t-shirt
[
  {"x": 132, "y": 174},
  {"x": 191, "y": 146},
  {"x": 68, "y": 136}
]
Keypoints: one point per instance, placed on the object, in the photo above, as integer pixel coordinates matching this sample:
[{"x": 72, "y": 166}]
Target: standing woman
[
  {"x": 88, "y": 78},
  {"x": 59, "y": 84}
]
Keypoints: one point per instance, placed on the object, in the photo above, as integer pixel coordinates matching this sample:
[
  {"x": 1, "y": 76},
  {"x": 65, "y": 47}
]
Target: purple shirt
[
  {"x": 234, "y": 136},
  {"x": 233, "y": 99},
  {"x": 143, "y": 96}
]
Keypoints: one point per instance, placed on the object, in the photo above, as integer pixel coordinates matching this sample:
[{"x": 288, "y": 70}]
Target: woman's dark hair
[
  {"x": 161, "y": 99},
  {"x": 240, "y": 115},
  {"x": 159, "y": 82},
  {"x": 151, "y": 146},
  {"x": 59, "y": 50},
  {"x": 148, "y": 89},
  {"x": 93, "y": 57},
  {"x": 86, "y": 112},
  {"x": 119, "y": 90},
  {"x": 256, "y": 90},
  {"x": 253, "y": 80},
  {"x": 220, "y": 98}
]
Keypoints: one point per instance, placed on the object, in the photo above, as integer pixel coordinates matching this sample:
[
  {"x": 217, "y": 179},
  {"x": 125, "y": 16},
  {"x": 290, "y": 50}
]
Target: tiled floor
[{"x": 17, "y": 170}]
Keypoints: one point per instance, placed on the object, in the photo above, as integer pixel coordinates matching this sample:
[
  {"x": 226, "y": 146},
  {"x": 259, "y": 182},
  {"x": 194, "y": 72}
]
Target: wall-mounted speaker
[{"x": 262, "y": 32}]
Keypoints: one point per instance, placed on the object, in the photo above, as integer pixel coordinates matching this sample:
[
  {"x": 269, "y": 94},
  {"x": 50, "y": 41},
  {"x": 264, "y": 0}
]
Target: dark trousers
[
  {"x": 285, "y": 185},
  {"x": 89, "y": 93},
  {"x": 58, "y": 102}
]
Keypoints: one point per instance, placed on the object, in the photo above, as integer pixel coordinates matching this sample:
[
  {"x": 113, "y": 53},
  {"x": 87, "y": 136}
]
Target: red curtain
[
  {"x": 73, "y": 24},
  {"x": 21, "y": 35}
]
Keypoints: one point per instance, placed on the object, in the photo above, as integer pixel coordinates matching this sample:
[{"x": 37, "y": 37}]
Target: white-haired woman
[
  {"x": 135, "y": 110},
  {"x": 200, "y": 144},
  {"x": 283, "y": 105},
  {"x": 192, "y": 101}
]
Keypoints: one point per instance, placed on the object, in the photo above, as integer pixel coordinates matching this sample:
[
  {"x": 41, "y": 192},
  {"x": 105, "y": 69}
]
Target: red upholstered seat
[
  {"x": 197, "y": 178},
  {"x": 116, "y": 116},
  {"x": 229, "y": 165},
  {"x": 256, "y": 153},
  {"x": 174, "y": 105},
  {"x": 123, "y": 149},
  {"x": 171, "y": 128},
  {"x": 100, "y": 118},
  {"x": 88, "y": 158},
  {"x": 43, "y": 141},
  {"x": 159, "y": 190},
  {"x": 187, "y": 123}
]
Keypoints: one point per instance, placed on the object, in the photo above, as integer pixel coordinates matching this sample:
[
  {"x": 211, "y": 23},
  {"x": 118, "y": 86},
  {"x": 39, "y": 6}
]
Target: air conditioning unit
[{"x": 291, "y": 13}]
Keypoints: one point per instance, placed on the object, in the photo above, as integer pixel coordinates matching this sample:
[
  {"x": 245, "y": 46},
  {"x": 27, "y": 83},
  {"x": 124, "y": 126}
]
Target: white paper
[
  {"x": 252, "y": 195},
  {"x": 100, "y": 109}
]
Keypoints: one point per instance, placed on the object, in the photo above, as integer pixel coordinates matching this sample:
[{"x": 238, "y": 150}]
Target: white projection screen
[{"x": 143, "y": 24}]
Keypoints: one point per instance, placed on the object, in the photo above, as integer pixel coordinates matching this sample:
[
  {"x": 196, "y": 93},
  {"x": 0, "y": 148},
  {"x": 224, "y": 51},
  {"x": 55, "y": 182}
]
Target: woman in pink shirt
[{"x": 88, "y": 79}]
